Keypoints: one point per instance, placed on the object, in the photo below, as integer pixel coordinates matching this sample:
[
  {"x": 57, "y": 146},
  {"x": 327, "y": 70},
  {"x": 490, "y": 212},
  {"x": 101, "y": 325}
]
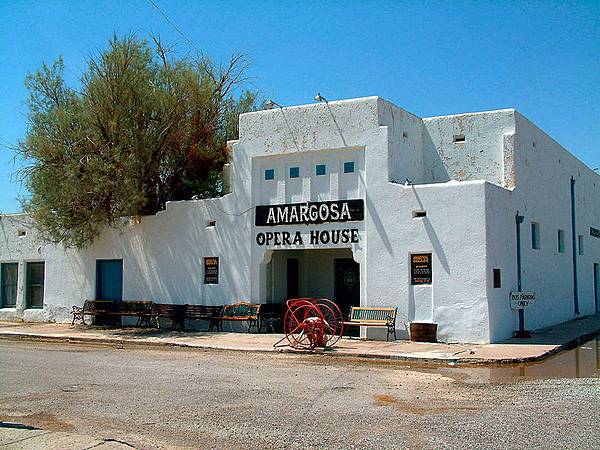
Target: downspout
[
  {"x": 574, "y": 248},
  {"x": 522, "y": 332},
  {"x": 518, "y": 221}
]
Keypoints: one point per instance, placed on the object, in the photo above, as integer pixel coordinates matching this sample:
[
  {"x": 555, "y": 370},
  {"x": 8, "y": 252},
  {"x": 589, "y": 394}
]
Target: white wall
[
  {"x": 162, "y": 259},
  {"x": 479, "y": 157},
  {"x": 470, "y": 191},
  {"x": 542, "y": 170}
]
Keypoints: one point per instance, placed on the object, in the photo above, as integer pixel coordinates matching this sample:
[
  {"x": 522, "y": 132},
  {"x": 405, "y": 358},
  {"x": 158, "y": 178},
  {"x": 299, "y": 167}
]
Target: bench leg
[
  {"x": 252, "y": 324},
  {"x": 391, "y": 329},
  {"x": 77, "y": 315}
]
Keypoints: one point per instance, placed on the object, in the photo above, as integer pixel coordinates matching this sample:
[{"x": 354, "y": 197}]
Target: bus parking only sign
[{"x": 522, "y": 300}]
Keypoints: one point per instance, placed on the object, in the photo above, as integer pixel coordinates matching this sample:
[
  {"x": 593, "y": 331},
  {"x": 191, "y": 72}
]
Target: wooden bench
[
  {"x": 175, "y": 313},
  {"x": 241, "y": 311},
  {"x": 91, "y": 308},
  {"x": 178, "y": 314},
  {"x": 203, "y": 312},
  {"x": 271, "y": 317},
  {"x": 142, "y": 309},
  {"x": 374, "y": 317}
]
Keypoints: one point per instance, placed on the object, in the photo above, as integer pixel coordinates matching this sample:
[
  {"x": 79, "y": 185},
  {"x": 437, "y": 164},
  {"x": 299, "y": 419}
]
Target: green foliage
[{"x": 144, "y": 128}]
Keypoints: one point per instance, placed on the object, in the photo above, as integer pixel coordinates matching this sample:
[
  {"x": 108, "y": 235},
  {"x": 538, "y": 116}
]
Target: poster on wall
[
  {"x": 420, "y": 268},
  {"x": 211, "y": 270}
]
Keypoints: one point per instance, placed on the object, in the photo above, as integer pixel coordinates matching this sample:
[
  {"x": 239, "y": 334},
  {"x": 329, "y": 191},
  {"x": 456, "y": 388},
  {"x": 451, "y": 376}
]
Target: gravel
[{"x": 166, "y": 398}]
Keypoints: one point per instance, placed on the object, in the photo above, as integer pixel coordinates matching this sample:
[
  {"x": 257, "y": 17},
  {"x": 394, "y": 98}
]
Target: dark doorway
[
  {"x": 293, "y": 278},
  {"x": 347, "y": 284},
  {"x": 109, "y": 286}
]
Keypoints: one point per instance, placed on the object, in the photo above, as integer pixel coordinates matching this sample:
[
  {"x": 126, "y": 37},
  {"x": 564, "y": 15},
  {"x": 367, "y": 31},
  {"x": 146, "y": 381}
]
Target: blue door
[{"x": 109, "y": 279}]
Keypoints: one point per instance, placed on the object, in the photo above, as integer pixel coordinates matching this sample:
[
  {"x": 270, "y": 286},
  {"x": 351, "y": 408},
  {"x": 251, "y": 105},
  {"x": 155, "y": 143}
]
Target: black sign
[
  {"x": 211, "y": 270},
  {"x": 595, "y": 232},
  {"x": 420, "y": 268},
  {"x": 309, "y": 213}
]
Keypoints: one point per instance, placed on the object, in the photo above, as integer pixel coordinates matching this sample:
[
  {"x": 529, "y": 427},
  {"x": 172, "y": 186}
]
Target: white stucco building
[{"x": 440, "y": 191}]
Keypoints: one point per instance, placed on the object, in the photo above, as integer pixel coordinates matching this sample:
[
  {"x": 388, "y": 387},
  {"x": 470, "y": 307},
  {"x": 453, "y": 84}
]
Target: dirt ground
[{"x": 75, "y": 396}]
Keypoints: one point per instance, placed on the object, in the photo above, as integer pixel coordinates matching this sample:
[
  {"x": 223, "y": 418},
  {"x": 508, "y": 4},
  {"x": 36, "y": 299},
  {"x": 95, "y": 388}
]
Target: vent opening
[
  {"x": 457, "y": 138},
  {"x": 419, "y": 214}
]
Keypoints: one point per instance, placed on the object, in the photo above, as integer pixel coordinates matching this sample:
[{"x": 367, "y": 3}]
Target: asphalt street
[{"x": 76, "y": 396}]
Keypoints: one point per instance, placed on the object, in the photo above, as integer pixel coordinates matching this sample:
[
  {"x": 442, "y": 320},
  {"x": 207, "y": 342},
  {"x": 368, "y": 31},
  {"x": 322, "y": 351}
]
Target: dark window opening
[
  {"x": 9, "y": 274},
  {"x": 35, "y": 285},
  {"x": 269, "y": 174},
  {"x": 417, "y": 214},
  {"x": 497, "y": 279},
  {"x": 561, "y": 241},
  {"x": 320, "y": 169},
  {"x": 458, "y": 138},
  {"x": 535, "y": 235}
]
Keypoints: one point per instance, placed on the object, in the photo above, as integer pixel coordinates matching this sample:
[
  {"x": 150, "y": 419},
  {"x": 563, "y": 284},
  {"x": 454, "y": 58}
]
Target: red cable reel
[{"x": 312, "y": 322}]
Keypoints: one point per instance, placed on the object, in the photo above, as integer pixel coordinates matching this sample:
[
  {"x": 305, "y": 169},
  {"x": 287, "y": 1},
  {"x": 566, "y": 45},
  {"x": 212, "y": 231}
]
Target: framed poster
[
  {"x": 211, "y": 270},
  {"x": 420, "y": 268}
]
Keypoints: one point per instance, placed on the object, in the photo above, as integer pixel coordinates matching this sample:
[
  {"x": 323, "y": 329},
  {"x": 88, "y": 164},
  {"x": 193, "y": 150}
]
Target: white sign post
[{"x": 522, "y": 300}]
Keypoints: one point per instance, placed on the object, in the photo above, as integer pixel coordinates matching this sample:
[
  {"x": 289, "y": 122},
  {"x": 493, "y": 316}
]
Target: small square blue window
[
  {"x": 349, "y": 167},
  {"x": 321, "y": 169},
  {"x": 294, "y": 172},
  {"x": 269, "y": 174}
]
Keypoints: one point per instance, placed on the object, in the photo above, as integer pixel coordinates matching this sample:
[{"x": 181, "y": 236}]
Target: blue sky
[{"x": 431, "y": 58}]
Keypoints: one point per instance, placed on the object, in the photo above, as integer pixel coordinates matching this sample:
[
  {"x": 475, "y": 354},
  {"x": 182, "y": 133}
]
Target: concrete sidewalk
[{"x": 543, "y": 343}]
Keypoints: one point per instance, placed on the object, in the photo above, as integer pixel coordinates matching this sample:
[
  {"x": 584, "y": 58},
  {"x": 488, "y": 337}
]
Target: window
[
  {"x": 561, "y": 241},
  {"x": 419, "y": 214},
  {"x": 535, "y": 235},
  {"x": 211, "y": 224},
  {"x": 9, "y": 273},
  {"x": 294, "y": 172},
  {"x": 349, "y": 167},
  {"x": 35, "y": 285},
  {"x": 580, "y": 244},
  {"x": 497, "y": 279},
  {"x": 320, "y": 169},
  {"x": 269, "y": 174},
  {"x": 458, "y": 138}
]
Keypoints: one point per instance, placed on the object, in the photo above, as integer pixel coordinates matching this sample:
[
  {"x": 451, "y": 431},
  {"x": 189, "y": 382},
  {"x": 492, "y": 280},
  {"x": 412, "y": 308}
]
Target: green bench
[
  {"x": 241, "y": 311},
  {"x": 374, "y": 317}
]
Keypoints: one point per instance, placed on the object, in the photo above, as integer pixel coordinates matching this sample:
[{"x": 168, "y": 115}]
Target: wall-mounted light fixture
[
  {"x": 270, "y": 104},
  {"x": 320, "y": 98}
]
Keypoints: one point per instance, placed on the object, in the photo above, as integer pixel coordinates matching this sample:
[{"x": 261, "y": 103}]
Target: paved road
[{"x": 75, "y": 396}]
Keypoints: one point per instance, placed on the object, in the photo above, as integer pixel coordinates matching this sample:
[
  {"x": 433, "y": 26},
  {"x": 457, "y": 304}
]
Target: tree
[{"x": 144, "y": 128}]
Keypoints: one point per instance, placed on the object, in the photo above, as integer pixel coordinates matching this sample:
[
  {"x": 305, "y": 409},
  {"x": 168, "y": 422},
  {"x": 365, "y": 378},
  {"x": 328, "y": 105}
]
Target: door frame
[{"x": 98, "y": 264}]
